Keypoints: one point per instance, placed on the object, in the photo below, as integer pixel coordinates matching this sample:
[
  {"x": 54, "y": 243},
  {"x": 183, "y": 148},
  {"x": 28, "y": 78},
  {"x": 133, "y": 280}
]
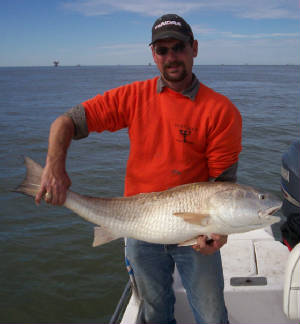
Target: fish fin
[
  {"x": 193, "y": 241},
  {"x": 194, "y": 218},
  {"x": 31, "y": 184},
  {"x": 102, "y": 236},
  {"x": 188, "y": 242}
]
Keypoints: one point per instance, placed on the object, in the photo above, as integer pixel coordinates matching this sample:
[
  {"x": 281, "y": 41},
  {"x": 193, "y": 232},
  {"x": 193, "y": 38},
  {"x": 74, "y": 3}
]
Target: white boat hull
[{"x": 254, "y": 267}]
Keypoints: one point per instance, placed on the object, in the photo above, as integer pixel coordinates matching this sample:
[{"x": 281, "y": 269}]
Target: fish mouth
[{"x": 267, "y": 214}]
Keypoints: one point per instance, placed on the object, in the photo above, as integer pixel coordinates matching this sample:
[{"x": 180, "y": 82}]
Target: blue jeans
[{"x": 202, "y": 277}]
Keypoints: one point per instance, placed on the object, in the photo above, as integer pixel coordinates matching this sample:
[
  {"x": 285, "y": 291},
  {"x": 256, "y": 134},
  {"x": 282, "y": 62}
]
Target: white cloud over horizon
[
  {"x": 225, "y": 32},
  {"x": 202, "y": 31},
  {"x": 107, "y": 32},
  {"x": 255, "y": 9}
]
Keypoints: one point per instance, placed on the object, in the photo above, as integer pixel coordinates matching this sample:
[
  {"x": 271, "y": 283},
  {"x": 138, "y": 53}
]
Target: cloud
[
  {"x": 211, "y": 51},
  {"x": 143, "y": 7},
  {"x": 214, "y": 33},
  {"x": 271, "y": 9},
  {"x": 254, "y": 9},
  {"x": 122, "y": 48},
  {"x": 253, "y": 51},
  {"x": 257, "y": 36}
]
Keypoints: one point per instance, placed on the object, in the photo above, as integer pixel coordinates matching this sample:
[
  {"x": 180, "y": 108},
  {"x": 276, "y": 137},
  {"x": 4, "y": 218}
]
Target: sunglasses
[{"x": 177, "y": 49}]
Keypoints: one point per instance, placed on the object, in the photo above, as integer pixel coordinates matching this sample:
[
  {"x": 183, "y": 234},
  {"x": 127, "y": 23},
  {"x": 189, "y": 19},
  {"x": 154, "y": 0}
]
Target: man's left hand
[{"x": 209, "y": 245}]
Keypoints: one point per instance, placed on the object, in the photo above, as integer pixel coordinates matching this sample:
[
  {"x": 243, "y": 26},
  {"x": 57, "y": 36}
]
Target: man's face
[{"x": 174, "y": 58}]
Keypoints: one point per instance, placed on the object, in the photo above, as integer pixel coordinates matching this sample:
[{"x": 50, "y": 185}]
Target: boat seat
[{"x": 291, "y": 294}]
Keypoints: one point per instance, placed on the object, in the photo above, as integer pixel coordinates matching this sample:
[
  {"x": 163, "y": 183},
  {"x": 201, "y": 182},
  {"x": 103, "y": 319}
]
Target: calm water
[{"x": 49, "y": 273}]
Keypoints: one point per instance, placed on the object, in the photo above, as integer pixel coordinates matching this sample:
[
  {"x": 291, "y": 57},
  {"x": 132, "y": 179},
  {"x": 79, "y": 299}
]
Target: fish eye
[{"x": 261, "y": 196}]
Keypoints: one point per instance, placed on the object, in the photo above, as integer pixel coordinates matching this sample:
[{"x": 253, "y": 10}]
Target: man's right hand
[
  {"x": 54, "y": 184},
  {"x": 55, "y": 181}
]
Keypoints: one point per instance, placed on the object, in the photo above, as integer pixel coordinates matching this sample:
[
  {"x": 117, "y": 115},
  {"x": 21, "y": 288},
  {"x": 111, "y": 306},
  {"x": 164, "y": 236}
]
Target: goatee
[{"x": 172, "y": 78}]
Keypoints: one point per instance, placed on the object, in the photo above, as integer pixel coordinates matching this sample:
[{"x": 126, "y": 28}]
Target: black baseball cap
[{"x": 171, "y": 26}]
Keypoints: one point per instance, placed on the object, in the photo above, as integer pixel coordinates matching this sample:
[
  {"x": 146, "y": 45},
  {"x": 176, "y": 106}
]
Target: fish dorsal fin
[{"x": 194, "y": 218}]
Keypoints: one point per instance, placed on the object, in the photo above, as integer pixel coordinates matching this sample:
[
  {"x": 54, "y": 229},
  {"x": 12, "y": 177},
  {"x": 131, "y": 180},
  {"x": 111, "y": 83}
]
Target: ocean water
[{"x": 49, "y": 273}]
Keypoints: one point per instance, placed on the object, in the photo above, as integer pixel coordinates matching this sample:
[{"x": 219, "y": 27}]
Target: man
[{"x": 180, "y": 132}]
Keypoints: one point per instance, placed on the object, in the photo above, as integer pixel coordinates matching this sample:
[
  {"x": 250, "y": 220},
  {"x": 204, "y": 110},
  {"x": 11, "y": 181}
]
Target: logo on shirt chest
[{"x": 185, "y": 133}]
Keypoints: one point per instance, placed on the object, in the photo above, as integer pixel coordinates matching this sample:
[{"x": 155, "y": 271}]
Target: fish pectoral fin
[
  {"x": 192, "y": 241},
  {"x": 194, "y": 218},
  {"x": 102, "y": 236}
]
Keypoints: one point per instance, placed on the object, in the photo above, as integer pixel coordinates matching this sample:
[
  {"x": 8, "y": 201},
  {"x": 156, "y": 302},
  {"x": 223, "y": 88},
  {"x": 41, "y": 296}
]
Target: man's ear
[
  {"x": 195, "y": 48},
  {"x": 153, "y": 54}
]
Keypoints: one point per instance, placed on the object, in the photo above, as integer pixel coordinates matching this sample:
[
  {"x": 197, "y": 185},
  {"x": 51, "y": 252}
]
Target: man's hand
[
  {"x": 209, "y": 245},
  {"x": 54, "y": 185},
  {"x": 55, "y": 180}
]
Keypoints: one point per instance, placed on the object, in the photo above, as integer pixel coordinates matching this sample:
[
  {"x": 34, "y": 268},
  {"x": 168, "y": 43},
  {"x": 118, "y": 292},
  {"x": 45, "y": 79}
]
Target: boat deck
[{"x": 254, "y": 267}]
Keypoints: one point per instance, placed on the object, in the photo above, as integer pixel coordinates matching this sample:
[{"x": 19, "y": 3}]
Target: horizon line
[{"x": 148, "y": 65}]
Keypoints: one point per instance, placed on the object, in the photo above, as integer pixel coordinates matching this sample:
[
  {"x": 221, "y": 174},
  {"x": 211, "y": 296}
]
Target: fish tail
[{"x": 31, "y": 184}]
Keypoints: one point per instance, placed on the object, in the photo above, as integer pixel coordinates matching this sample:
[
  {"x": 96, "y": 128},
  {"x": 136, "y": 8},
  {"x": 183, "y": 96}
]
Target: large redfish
[{"x": 174, "y": 216}]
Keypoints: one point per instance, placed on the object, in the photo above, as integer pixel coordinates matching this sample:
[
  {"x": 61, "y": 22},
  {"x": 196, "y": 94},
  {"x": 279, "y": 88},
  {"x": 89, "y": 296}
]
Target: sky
[{"x": 112, "y": 32}]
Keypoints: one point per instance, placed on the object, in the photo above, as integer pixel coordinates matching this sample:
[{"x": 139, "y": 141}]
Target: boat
[
  {"x": 261, "y": 275},
  {"x": 261, "y": 281}
]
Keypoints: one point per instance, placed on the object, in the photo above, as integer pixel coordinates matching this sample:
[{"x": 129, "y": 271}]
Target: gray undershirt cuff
[
  {"x": 229, "y": 174},
  {"x": 77, "y": 114}
]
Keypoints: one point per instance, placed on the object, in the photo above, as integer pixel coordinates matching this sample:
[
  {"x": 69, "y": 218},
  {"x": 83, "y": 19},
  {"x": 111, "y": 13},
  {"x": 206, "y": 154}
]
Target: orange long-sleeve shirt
[{"x": 173, "y": 139}]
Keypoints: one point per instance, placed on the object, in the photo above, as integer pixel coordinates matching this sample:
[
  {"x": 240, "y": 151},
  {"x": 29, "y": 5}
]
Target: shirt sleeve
[
  {"x": 110, "y": 110},
  {"x": 224, "y": 138}
]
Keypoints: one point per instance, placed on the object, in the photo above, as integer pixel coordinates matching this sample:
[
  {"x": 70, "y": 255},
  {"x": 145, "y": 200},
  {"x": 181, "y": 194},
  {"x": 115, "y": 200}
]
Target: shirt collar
[{"x": 190, "y": 92}]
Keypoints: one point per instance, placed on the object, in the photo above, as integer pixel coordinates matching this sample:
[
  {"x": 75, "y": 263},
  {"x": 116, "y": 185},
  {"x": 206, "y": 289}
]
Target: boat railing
[{"x": 120, "y": 309}]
